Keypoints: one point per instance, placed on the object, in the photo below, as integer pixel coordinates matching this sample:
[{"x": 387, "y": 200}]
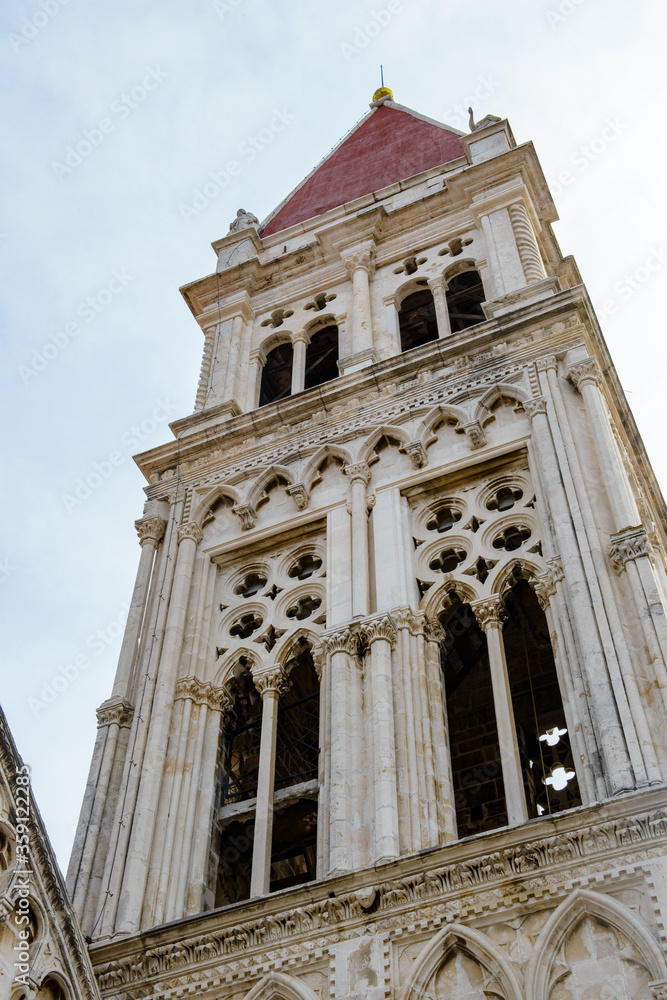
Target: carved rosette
[
  {"x": 190, "y": 531},
  {"x": 247, "y": 513},
  {"x": 114, "y": 711},
  {"x": 631, "y": 543},
  {"x": 342, "y": 640},
  {"x": 358, "y": 471},
  {"x": 475, "y": 434},
  {"x": 202, "y": 693},
  {"x": 271, "y": 680},
  {"x": 408, "y": 619},
  {"x": 299, "y": 495},
  {"x": 535, "y": 406},
  {"x": 586, "y": 372},
  {"x": 417, "y": 453},
  {"x": 490, "y": 612},
  {"x": 150, "y": 529},
  {"x": 374, "y": 629}
]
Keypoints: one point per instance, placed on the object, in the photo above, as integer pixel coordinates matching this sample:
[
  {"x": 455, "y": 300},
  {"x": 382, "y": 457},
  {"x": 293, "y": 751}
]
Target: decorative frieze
[
  {"x": 631, "y": 543},
  {"x": 150, "y": 529}
]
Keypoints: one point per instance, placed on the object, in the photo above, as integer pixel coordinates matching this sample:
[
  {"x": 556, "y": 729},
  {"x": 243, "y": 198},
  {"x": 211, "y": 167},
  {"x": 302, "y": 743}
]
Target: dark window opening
[
  {"x": 240, "y": 742},
  {"x": 465, "y": 294},
  {"x": 297, "y": 741},
  {"x": 479, "y": 793},
  {"x": 235, "y": 863},
  {"x": 322, "y": 357},
  {"x": 276, "y": 375},
  {"x": 544, "y": 747},
  {"x": 416, "y": 320},
  {"x": 294, "y": 845}
]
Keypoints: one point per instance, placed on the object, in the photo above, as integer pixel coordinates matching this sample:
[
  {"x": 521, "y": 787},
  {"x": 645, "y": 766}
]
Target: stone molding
[
  {"x": 631, "y": 543},
  {"x": 535, "y": 406},
  {"x": 217, "y": 699},
  {"x": 490, "y": 612},
  {"x": 271, "y": 680},
  {"x": 586, "y": 372},
  {"x": 247, "y": 513},
  {"x": 471, "y": 885},
  {"x": 150, "y": 529},
  {"x": 190, "y": 531},
  {"x": 114, "y": 710}
]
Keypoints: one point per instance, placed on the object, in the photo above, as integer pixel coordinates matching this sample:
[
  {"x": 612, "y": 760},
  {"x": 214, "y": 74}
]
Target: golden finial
[{"x": 383, "y": 92}]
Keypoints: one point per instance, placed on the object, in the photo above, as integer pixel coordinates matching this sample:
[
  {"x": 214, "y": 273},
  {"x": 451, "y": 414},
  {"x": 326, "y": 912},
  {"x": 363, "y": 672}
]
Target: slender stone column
[
  {"x": 150, "y": 531},
  {"x": 359, "y": 265},
  {"x": 529, "y": 252},
  {"x": 359, "y": 476},
  {"x": 344, "y": 765},
  {"x": 586, "y": 375},
  {"x": 609, "y": 733},
  {"x": 445, "y": 828},
  {"x": 380, "y": 635},
  {"x": 235, "y": 338},
  {"x": 210, "y": 335},
  {"x": 271, "y": 682},
  {"x": 393, "y": 326},
  {"x": 438, "y": 288},
  {"x": 300, "y": 342},
  {"x": 256, "y": 362},
  {"x": 490, "y": 614},
  {"x": 134, "y": 880}
]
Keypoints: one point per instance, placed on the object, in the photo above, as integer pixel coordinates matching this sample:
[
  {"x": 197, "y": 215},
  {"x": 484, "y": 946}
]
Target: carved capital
[
  {"x": 545, "y": 584},
  {"x": 374, "y": 629},
  {"x": 342, "y": 640},
  {"x": 544, "y": 364},
  {"x": 300, "y": 337},
  {"x": 413, "y": 621},
  {"x": 475, "y": 434},
  {"x": 659, "y": 990},
  {"x": 358, "y": 471},
  {"x": 114, "y": 711},
  {"x": 434, "y": 632},
  {"x": 191, "y": 531},
  {"x": 150, "y": 529},
  {"x": 631, "y": 543},
  {"x": 299, "y": 495},
  {"x": 360, "y": 257},
  {"x": 416, "y": 452},
  {"x": 202, "y": 693},
  {"x": 247, "y": 514},
  {"x": 586, "y": 372},
  {"x": 535, "y": 406},
  {"x": 490, "y": 612},
  {"x": 271, "y": 680}
]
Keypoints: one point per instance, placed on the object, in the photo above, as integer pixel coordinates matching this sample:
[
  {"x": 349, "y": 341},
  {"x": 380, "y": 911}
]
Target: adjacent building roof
[{"x": 389, "y": 144}]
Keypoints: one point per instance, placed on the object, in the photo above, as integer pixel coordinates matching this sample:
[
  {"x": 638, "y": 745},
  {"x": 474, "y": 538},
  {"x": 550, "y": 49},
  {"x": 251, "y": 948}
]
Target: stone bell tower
[{"x": 388, "y": 719}]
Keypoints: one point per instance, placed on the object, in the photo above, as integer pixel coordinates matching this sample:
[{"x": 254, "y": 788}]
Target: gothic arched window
[
  {"x": 416, "y": 319},
  {"x": 322, "y": 357},
  {"x": 277, "y": 374},
  {"x": 465, "y": 294}
]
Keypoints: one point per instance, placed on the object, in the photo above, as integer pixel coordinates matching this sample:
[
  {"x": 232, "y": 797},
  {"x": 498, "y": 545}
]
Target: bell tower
[{"x": 389, "y": 710}]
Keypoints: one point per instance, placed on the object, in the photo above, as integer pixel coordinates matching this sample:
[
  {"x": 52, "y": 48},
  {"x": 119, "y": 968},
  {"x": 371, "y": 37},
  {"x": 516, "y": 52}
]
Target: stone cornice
[{"x": 459, "y": 881}]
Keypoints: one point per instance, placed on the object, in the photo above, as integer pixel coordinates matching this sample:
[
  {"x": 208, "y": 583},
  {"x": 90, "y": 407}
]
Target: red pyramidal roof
[{"x": 390, "y": 144}]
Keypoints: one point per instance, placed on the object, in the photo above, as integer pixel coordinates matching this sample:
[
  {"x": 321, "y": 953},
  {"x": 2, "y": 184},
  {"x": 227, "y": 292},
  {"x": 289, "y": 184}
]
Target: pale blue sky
[{"x": 179, "y": 88}]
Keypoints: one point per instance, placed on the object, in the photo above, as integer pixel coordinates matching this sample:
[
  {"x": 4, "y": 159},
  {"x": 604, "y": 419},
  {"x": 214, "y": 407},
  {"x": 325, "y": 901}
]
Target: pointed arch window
[
  {"x": 416, "y": 319},
  {"x": 276, "y": 380},
  {"x": 465, "y": 294},
  {"x": 322, "y": 357}
]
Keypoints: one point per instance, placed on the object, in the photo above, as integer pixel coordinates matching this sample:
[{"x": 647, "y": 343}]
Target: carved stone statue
[{"x": 243, "y": 220}]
